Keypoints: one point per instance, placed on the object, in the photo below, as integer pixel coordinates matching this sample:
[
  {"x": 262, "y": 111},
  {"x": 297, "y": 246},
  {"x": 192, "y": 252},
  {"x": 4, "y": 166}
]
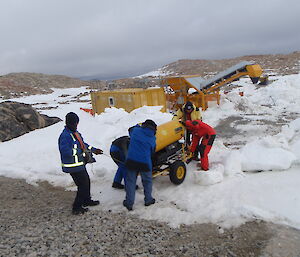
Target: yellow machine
[
  {"x": 168, "y": 133},
  {"x": 207, "y": 89},
  {"x": 170, "y": 156}
]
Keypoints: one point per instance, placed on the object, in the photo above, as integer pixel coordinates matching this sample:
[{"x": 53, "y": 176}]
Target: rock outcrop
[{"x": 16, "y": 119}]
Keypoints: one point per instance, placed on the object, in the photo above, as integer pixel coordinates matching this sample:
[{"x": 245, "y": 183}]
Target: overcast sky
[{"x": 119, "y": 38}]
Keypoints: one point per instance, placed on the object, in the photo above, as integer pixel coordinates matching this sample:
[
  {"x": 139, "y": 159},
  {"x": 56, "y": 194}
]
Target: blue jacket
[
  {"x": 119, "y": 149},
  {"x": 71, "y": 153},
  {"x": 141, "y": 148}
]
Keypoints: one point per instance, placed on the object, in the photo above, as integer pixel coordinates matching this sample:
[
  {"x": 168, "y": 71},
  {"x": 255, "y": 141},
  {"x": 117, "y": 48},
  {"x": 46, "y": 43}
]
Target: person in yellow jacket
[{"x": 188, "y": 112}]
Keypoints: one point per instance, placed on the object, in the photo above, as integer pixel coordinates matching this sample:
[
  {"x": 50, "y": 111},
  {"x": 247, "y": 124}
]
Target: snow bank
[{"x": 224, "y": 195}]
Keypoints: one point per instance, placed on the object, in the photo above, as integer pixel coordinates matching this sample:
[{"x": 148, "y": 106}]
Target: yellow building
[{"x": 128, "y": 99}]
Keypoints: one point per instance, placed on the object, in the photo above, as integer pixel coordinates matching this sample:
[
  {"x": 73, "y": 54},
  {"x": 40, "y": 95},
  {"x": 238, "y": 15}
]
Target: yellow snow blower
[{"x": 171, "y": 155}]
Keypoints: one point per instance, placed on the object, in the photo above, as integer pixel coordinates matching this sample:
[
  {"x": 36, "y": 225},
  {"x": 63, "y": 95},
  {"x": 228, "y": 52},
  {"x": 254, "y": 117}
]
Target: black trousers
[
  {"x": 83, "y": 183},
  {"x": 188, "y": 136}
]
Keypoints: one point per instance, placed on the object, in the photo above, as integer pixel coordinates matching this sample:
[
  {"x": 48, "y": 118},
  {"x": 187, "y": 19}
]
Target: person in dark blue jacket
[
  {"x": 139, "y": 160},
  {"x": 118, "y": 152},
  {"x": 74, "y": 156}
]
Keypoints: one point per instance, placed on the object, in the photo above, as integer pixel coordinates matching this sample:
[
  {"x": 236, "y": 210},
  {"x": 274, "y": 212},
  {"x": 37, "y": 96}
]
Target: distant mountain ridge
[
  {"x": 281, "y": 64},
  {"x": 24, "y": 83},
  {"x": 275, "y": 64}
]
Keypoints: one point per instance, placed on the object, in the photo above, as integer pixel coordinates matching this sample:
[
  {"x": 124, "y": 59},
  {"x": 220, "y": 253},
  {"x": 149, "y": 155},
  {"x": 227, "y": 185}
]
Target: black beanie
[
  {"x": 72, "y": 120},
  {"x": 149, "y": 124},
  {"x": 188, "y": 106}
]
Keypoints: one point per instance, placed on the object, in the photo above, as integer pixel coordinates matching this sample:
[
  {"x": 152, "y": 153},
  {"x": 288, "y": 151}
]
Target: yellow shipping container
[{"x": 128, "y": 99}]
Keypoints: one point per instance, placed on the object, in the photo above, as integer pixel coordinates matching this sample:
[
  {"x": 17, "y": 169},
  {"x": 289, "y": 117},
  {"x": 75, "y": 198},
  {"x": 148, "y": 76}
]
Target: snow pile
[
  {"x": 225, "y": 194},
  {"x": 205, "y": 178},
  {"x": 273, "y": 153}
]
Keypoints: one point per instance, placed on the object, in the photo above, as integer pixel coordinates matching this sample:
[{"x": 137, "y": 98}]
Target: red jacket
[{"x": 199, "y": 129}]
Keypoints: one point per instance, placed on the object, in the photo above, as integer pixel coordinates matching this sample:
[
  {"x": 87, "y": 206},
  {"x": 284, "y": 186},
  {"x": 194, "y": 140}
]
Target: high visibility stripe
[
  {"x": 76, "y": 161},
  {"x": 90, "y": 147},
  {"x": 75, "y": 150},
  {"x": 72, "y": 137},
  {"x": 72, "y": 164}
]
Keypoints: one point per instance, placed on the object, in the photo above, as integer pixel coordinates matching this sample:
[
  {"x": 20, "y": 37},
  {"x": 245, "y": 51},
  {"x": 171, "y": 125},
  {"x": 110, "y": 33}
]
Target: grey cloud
[{"x": 118, "y": 38}]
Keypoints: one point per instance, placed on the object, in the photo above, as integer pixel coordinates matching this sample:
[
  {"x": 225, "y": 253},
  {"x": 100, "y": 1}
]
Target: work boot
[
  {"x": 79, "y": 211},
  {"x": 150, "y": 203},
  {"x": 91, "y": 203},
  {"x": 118, "y": 185},
  {"x": 129, "y": 208}
]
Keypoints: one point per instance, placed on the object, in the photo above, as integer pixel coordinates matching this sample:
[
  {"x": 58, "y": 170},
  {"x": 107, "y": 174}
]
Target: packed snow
[
  {"x": 256, "y": 179},
  {"x": 156, "y": 73}
]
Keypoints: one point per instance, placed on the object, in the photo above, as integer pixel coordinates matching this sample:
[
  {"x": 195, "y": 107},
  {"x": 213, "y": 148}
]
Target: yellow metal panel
[
  {"x": 143, "y": 99},
  {"x": 129, "y": 99},
  {"x": 254, "y": 70},
  {"x": 168, "y": 133}
]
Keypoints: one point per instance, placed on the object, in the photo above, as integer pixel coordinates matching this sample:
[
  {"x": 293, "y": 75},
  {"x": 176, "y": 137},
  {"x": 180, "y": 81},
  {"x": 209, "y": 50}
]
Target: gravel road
[{"x": 37, "y": 221}]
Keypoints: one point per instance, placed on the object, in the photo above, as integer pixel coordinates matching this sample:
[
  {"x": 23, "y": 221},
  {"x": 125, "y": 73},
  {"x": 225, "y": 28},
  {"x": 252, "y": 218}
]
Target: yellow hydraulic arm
[
  {"x": 207, "y": 90},
  {"x": 254, "y": 71}
]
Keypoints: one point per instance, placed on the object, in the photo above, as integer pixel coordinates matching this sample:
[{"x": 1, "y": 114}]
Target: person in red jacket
[{"x": 202, "y": 130}]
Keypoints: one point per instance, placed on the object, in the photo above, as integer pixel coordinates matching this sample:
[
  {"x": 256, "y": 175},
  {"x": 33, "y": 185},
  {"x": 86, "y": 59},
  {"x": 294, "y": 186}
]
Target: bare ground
[{"x": 37, "y": 221}]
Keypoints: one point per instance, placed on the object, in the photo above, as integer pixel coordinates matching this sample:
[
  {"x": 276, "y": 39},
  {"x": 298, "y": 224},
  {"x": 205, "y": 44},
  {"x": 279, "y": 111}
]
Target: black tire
[{"x": 177, "y": 172}]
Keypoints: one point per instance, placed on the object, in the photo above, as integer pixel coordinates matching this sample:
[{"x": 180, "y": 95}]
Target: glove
[{"x": 98, "y": 151}]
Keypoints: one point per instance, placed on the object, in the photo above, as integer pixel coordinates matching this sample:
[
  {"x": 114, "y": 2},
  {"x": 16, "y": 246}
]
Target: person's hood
[{"x": 148, "y": 132}]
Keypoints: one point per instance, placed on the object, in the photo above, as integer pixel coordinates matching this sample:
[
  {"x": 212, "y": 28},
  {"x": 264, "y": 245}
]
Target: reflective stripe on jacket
[{"x": 71, "y": 154}]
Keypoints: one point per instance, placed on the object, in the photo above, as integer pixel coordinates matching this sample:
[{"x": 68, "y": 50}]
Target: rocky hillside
[
  {"x": 279, "y": 64},
  {"x": 19, "y": 84},
  {"x": 24, "y": 83}
]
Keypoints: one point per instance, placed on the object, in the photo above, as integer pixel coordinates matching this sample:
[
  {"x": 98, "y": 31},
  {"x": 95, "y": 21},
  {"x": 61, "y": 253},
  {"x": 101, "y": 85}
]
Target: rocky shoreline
[{"x": 37, "y": 221}]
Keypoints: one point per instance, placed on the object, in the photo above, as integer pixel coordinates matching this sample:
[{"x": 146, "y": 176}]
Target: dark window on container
[{"x": 111, "y": 101}]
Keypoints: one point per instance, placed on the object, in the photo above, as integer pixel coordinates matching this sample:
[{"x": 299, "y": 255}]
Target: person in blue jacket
[
  {"x": 139, "y": 160},
  {"x": 74, "y": 156},
  {"x": 118, "y": 152}
]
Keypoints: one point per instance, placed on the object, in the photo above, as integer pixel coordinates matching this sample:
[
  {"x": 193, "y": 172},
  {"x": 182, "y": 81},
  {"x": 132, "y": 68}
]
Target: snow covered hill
[{"x": 255, "y": 160}]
